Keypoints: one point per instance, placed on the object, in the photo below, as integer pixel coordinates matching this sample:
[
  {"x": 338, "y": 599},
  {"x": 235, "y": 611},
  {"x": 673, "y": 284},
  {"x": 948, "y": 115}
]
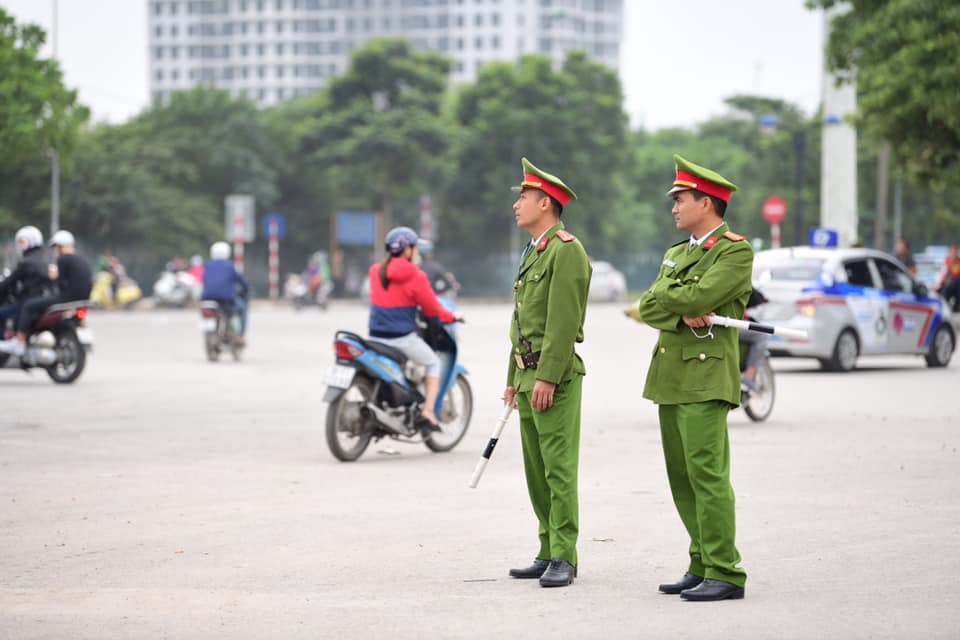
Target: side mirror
[{"x": 920, "y": 290}]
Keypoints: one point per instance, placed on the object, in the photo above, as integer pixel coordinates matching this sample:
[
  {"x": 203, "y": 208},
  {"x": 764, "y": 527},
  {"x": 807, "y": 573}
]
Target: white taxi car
[{"x": 851, "y": 302}]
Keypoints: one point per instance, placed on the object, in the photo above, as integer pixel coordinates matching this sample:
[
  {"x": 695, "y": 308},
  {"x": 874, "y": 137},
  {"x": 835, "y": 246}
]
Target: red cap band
[
  {"x": 536, "y": 182},
  {"x": 691, "y": 181}
]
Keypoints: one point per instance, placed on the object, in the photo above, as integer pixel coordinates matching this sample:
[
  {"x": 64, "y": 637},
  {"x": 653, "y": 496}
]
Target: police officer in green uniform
[
  {"x": 694, "y": 375},
  {"x": 544, "y": 375}
]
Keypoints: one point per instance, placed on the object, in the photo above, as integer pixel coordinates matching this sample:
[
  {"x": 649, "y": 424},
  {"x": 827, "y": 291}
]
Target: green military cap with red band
[
  {"x": 693, "y": 176},
  {"x": 534, "y": 178}
]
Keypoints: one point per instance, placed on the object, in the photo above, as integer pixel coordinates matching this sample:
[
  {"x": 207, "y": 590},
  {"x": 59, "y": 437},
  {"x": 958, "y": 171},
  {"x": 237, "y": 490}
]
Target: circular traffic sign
[{"x": 774, "y": 209}]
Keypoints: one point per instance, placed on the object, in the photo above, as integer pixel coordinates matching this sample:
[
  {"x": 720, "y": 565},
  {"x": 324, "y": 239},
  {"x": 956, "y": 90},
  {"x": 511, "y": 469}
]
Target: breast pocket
[
  {"x": 702, "y": 365},
  {"x": 536, "y": 284}
]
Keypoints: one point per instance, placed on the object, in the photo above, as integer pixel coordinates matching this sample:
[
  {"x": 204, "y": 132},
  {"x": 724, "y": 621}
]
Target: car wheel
[
  {"x": 941, "y": 348},
  {"x": 845, "y": 352}
]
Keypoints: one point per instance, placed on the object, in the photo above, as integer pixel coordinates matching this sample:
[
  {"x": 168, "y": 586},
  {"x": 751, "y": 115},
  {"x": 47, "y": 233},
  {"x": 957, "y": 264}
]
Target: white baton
[
  {"x": 758, "y": 327},
  {"x": 485, "y": 458}
]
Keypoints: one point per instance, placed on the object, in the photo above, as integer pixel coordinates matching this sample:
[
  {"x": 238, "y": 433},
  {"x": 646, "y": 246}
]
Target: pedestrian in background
[
  {"x": 694, "y": 375},
  {"x": 544, "y": 374},
  {"x": 905, "y": 256}
]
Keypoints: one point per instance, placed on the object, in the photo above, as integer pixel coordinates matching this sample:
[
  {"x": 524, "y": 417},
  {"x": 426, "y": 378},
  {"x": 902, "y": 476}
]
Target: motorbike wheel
[
  {"x": 71, "y": 358},
  {"x": 212, "y": 345},
  {"x": 348, "y": 430},
  {"x": 758, "y": 403},
  {"x": 454, "y": 417}
]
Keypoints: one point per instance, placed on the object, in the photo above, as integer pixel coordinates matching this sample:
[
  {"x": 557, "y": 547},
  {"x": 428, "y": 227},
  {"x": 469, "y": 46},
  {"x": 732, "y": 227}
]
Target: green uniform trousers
[
  {"x": 551, "y": 456},
  {"x": 697, "y": 452}
]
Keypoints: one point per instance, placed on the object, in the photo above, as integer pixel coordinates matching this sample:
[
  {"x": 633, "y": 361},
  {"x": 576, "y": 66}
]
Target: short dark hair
[
  {"x": 720, "y": 206},
  {"x": 556, "y": 203}
]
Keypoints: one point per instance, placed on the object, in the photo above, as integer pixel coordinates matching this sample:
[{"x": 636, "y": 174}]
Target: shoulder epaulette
[
  {"x": 730, "y": 235},
  {"x": 565, "y": 235}
]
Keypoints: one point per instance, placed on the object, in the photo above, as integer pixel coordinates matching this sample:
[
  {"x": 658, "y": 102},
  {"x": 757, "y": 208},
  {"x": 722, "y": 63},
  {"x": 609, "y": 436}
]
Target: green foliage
[
  {"x": 378, "y": 129},
  {"x": 37, "y": 114},
  {"x": 569, "y": 122},
  {"x": 906, "y": 59}
]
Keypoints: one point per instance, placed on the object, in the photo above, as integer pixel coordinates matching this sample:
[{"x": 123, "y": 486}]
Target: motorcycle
[
  {"x": 302, "y": 293},
  {"x": 221, "y": 330},
  {"x": 176, "y": 289},
  {"x": 375, "y": 392},
  {"x": 757, "y": 402},
  {"x": 58, "y": 342}
]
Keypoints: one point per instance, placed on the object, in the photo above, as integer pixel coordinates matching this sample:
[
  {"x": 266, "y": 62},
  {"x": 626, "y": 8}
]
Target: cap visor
[
  {"x": 677, "y": 189},
  {"x": 516, "y": 189}
]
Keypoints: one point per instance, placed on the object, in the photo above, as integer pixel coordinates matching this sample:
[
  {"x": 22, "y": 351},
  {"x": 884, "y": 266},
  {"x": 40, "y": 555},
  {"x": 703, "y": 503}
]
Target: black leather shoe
[
  {"x": 560, "y": 573},
  {"x": 713, "y": 590},
  {"x": 533, "y": 571},
  {"x": 688, "y": 581},
  {"x": 426, "y": 427}
]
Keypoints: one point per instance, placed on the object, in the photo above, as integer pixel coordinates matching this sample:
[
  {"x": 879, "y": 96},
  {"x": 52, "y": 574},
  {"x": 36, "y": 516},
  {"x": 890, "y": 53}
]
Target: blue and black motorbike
[{"x": 374, "y": 392}]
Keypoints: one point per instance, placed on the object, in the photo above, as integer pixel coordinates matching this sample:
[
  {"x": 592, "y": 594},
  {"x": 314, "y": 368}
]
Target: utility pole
[
  {"x": 883, "y": 189},
  {"x": 54, "y": 155}
]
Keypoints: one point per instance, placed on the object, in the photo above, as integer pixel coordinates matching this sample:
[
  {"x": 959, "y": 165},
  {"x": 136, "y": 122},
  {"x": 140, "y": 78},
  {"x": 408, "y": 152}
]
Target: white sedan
[{"x": 607, "y": 284}]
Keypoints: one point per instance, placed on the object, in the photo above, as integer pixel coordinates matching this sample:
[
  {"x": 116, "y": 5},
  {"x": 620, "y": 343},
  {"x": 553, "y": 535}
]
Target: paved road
[{"x": 162, "y": 496}]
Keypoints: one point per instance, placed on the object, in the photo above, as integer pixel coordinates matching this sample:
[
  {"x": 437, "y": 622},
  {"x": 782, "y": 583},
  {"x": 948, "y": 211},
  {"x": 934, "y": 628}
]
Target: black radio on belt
[{"x": 527, "y": 360}]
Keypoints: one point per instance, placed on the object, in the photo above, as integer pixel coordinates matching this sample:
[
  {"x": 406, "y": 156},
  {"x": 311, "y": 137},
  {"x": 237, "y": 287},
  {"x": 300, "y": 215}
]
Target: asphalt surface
[{"x": 162, "y": 496}]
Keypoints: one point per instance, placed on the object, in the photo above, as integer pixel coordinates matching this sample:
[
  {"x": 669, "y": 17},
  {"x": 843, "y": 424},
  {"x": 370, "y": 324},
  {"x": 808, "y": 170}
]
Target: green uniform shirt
[
  {"x": 551, "y": 300},
  {"x": 713, "y": 277}
]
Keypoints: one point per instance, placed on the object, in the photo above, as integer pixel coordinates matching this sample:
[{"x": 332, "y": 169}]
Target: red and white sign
[{"x": 774, "y": 209}]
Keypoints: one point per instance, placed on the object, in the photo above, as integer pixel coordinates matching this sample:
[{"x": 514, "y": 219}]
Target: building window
[
  {"x": 279, "y": 48},
  {"x": 279, "y": 72},
  {"x": 495, "y": 19},
  {"x": 159, "y": 75},
  {"x": 175, "y": 74},
  {"x": 158, "y": 31},
  {"x": 279, "y": 26},
  {"x": 173, "y": 8},
  {"x": 243, "y": 50},
  {"x": 478, "y": 20},
  {"x": 174, "y": 30},
  {"x": 158, "y": 53},
  {"x": 157, "y": 8},
  {"x": 478, "y": 42},
  {"x": 495, "y": 42}
]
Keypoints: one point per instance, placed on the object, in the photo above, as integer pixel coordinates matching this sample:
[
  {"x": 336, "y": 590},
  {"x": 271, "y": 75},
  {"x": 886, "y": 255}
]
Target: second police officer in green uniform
[
  {"x": 694, "y": 375},
  {"x": 545, "y": 374}
]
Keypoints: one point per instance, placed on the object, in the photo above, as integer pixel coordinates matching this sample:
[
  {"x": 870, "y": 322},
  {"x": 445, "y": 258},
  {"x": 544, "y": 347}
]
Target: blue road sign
[
  {"x": 281, "y": 222},
  {"x": 820, "y": 237},
  {"x": 356, "y": 228}
]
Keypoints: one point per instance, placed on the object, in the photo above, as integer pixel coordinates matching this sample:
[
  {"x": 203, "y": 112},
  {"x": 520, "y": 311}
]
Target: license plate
[
  {"x": 85, "y": 335},
  {"x": 339, "y": 376},
  {"x": 208, "y": 325}
]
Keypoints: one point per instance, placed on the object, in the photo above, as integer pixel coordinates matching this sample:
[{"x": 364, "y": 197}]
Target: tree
[
  {"x": 37, "y": 114},
  {"x": 378, "y": 128},
  {"x": 904, "y": 56},
  {"x": 568, "y": 121}
]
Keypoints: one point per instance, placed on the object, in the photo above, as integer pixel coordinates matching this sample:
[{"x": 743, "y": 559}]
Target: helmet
[
  {"x": 196, "y": 260},
  {"x": 399, "y": 238},
  {"x": 27, "y": 238},
  {"x": 220, "y": 251},
  {"x": 425, "y": 247},
  {"x": 62, "y": 238}
]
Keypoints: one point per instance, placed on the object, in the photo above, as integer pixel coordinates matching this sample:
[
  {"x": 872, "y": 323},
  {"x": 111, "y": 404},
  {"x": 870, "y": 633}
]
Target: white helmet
[
  {"x": 27, "y": 238},
  {"x": 220, "y": 251},
  {"x": 62, "y": 238}
]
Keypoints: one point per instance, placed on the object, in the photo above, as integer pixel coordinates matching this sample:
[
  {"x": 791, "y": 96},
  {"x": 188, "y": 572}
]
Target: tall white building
[{"x": 269, "y": 50}]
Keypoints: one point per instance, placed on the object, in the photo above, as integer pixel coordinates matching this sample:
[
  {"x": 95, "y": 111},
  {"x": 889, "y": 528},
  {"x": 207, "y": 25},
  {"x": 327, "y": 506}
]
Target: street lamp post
[
  {"x": 54, "y": 155},
  {"x": 769, "y": 125}
]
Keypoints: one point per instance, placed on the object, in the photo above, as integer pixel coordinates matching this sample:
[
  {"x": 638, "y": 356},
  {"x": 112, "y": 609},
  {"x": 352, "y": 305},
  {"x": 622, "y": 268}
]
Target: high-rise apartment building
[{"x": 269, "y": 50}]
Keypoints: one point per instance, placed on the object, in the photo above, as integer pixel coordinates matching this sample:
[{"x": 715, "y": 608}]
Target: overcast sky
[{"x": 679, "y": 59}]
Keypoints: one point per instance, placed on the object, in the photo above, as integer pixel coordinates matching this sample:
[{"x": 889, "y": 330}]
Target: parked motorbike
[
  {"x": 176, "y": 289},
  {"x": 375, "y": 392},
  {"x": 221, "y": 330},
  {"x": 757, "y": 402},
  {"x": 302, "y": 293},
  {"x": 101, "y": 296},
  {"x": 58, "y": 342}
]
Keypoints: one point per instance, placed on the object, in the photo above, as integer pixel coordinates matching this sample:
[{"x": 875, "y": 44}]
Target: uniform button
[
  {"x": 703, "y": 356},
  {"x": 696, "y": 278},
  {"x": 663, "y": 349}
]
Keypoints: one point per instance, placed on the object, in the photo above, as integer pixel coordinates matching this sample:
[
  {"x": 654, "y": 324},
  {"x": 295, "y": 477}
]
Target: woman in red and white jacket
[{"x": 397, "y": 288}]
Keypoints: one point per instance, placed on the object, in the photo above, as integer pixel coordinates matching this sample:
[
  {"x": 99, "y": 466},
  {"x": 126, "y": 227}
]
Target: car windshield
[{"x": 787, "y": 269}]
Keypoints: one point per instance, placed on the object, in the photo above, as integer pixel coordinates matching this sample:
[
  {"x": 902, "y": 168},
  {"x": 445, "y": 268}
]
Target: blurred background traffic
[{"x": 320, "y": 128}]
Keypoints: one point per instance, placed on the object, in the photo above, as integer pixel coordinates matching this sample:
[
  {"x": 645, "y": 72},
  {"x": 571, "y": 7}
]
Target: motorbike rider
[
  {"x": 755, "y": 343},
  {"x": 29, "y": 281},
  {"x": 397, "y": 289},
  {"x": 221, "y": 282},
  {"x": 72, "y": 277},
  {"x": 442, "y": 280}
]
